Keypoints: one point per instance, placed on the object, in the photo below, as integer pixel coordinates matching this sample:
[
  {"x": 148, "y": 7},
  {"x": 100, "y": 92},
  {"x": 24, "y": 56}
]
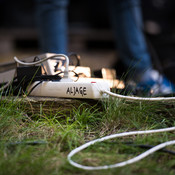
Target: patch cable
[
  {"x": 134, "y": 98},
  {"x": 135, "y": 159},
  {"x": 127, "y": 162}
]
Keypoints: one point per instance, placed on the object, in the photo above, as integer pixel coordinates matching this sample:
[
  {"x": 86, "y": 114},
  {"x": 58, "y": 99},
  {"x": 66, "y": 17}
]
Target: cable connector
[{"x": 49, "y": 63}]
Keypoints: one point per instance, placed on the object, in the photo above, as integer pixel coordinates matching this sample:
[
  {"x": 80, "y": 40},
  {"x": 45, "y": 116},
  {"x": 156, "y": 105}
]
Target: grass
[{"x": 39, "y": 143}]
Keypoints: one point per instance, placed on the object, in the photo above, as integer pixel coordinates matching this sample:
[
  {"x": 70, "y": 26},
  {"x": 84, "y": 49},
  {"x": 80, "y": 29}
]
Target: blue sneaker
[{"x": 152, "y": 83}]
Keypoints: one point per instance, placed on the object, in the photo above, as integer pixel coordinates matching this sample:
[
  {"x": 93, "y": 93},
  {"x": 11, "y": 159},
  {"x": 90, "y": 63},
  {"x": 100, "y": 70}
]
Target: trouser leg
[
  {"x": 126, "y": 20},
  {"x": 52, "y": 25}
]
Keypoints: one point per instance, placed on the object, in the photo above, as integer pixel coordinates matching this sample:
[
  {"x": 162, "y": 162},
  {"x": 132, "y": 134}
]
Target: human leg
[
  {"x": 127, "y": 25},
  {"x": 126, "y": 20},
  {"x": 52, "y": 25}
]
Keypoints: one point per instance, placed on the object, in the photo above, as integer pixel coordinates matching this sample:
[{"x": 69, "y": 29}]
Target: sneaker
[{"x": 152, "y": 83}]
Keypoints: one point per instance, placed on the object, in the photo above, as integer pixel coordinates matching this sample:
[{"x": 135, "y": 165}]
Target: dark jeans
[
  {"x": 52, "y": 25},
  {"x": 126, "y": 20}
]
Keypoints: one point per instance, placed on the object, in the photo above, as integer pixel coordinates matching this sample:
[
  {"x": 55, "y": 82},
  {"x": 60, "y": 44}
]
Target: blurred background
[{"x": 90, "y": 33}]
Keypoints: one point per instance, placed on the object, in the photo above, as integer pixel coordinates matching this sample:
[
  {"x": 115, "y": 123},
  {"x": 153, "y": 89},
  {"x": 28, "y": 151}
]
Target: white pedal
[{"x": 87, "y": 90}]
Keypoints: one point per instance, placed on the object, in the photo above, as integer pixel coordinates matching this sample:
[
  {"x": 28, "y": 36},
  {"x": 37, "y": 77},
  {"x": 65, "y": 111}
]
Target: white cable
[
  {"x": 121, "y": 164},
  {"x": 41, "y": 61},
  {"x": 138, "y": 98}
]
